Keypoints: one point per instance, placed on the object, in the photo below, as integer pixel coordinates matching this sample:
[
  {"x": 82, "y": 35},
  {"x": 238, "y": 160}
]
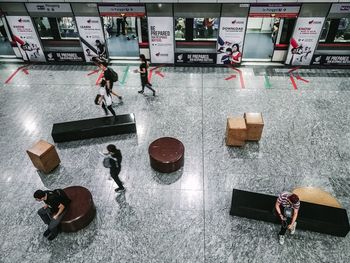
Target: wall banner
[
  {"x": 161, "y": 39},
  {"x": 65, "y": 56},
  {"x": 277, "y": 10},
  {"x": 119, "y": 9},
  {"x": 26, "y": 38},
  {"x": 91, "y": 37},
  {"x": 304, "y": 41},
  {"x": 331, "y": 60},
  {"x": 195, "y": 58},
  {"x": 340, "y": 8},
  {"x": 230, "y": 40},
  {"x": 48, "y": 8}
]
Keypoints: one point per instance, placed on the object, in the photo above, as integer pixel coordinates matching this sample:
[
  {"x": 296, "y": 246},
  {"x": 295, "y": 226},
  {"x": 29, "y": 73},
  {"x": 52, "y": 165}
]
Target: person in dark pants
[
  {"x": 144, "y": 75},
  {"x": 104, "y": 98},
  {"x": 108, "y": 76},
  {"x": 287, "y": 207},
  {"x": 115, "y": 166},
  {"x": 121, "y": 21},
  {"x": 56, "y": 206}
]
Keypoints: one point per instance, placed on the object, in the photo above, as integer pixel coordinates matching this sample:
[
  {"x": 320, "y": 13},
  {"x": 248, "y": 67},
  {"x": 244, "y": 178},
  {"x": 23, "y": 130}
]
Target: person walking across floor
[
  {"x": 104, "y": 98},
  {"x": 113, "y": 161},
  {"x": 110, "y": 76},
  {"x": 287, "y": 207},
  {"x": 144, "y": 75},
  {"x": 52, "y": 213}
]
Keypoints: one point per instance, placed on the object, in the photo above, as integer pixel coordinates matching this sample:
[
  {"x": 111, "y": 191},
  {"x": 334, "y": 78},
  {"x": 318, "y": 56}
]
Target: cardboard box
[
  {"x": 236, "y": 131},
  {"x": 255, "y": 125},
  {"x": 44, "y": 156}
]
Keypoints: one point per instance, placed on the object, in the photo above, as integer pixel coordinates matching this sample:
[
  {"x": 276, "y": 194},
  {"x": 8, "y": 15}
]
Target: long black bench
[
  {"x": 93, "y": 128},
  {"x": 313, "y": 217}
]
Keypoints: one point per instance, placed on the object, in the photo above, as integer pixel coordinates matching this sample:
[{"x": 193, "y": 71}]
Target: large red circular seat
[
  {"x": 81, "y": 210},
  {"x": 166, "y": 154}
]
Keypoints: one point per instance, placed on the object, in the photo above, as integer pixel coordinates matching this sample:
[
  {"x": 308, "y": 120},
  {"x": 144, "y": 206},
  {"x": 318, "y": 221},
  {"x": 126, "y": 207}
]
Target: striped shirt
[{"x": 283, "y": 201}]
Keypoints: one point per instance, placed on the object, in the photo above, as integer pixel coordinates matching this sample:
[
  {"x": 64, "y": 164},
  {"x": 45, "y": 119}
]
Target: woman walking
[
  {"x": 144, "y": 75},
  {"x": 104, "y": 98},
  {"x": 114, "y": 163}
]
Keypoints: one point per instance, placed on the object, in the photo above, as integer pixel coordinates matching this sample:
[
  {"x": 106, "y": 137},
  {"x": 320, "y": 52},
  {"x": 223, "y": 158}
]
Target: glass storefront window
[
  {"x": 336, "y": 30},
  {"x": 67, "y": 28},
  {"x": 343, "y": 32},
  {"x": 44, "y": 27},
  {"x": 205, "y": 28},
  {"x": 180, "y": 28}
]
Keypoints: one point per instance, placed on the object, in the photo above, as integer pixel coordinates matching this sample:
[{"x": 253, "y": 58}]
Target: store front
[
  {"x": 269, "y": 29},
  {"x": 334, "y": 44},
  {"x": 6, "y": 42},
  {"x": 58, "y": 32},
  {"x": 123, "y": 25}
]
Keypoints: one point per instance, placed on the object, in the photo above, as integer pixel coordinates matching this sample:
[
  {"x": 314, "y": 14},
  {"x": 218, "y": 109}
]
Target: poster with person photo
[
  {"x": 26, "y": 38},
  {"x": 230, "y": 40},
  {"x": 304, "y": 40},
  {"x": 91, "y": 37}
]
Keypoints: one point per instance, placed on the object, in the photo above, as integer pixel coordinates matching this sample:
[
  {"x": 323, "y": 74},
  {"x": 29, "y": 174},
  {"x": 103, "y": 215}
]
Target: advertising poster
[
  {"x": 161, "y": 39},
  {"x": 331, "y": 60},
  {"x": 91, "y": 37},
  {"x": 26, "y": 38},
  {"x": 65, "y": 56},
  {"x": 304, "y": 40},
  {"x": 230, "y": 40},
  {"x": 195, "y": 58}
]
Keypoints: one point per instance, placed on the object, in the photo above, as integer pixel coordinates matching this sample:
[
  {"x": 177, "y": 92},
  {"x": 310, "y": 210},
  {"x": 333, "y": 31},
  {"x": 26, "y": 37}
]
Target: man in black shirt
[
  {"x": 108, "y": 76},
  {"x": 53, "y": 211}
]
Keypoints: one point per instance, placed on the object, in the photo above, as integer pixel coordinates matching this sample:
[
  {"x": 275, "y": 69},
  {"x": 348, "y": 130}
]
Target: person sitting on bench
[
  {"x": 287, "y": 207},
  {"x": 56, "y": 206}
]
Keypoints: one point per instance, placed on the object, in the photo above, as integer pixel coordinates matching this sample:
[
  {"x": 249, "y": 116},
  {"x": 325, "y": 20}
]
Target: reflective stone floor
[{"x": 180, "y": 217}]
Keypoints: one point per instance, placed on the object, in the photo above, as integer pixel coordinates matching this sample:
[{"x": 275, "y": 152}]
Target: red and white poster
[
  {"x": 230, "y": 40},
  {"x": 26, "y": 38},
  {"x": 304, "y": 40},
  {"x": 91, "y": 37},
  {"x": 161, "y": 39}
]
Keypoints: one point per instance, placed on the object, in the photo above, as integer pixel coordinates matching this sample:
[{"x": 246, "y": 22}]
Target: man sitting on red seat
[{"x": 56, "y": 206}]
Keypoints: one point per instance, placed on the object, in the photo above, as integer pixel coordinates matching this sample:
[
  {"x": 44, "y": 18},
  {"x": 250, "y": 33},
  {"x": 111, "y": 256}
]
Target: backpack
[
  {"x": 114, "y": 75},
  {"x": 65, "y": 199}
]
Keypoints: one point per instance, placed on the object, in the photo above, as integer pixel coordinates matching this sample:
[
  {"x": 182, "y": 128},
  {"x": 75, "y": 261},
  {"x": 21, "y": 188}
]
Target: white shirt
[{"x": 106, "y": 99}]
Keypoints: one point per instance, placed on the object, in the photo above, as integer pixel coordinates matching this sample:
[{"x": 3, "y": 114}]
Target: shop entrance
[
  {"x": 122, "y": 26},
  {"x": 269, "y": 29},
  {"x": 6, "y": 49}
]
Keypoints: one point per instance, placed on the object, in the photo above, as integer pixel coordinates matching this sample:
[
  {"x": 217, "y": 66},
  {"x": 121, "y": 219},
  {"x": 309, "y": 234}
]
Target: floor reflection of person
[
  {"x": 101, "y": 49},
  {"x": 179, "y": 33}
]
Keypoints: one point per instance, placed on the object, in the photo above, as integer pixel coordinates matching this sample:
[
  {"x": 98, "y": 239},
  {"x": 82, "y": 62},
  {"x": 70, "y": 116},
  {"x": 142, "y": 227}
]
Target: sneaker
[
  {"x": 120, "y": 98},
  {"x": 52, "y": 237},
  {"x": 292, "y": 231},
  {"x": 154, "y": 93},
  {"x": 140, "y": 91},
  {"x": 47, "y": 233},
  {"x": 119, "y": 190},
  {"x": 281, "y": 239}
]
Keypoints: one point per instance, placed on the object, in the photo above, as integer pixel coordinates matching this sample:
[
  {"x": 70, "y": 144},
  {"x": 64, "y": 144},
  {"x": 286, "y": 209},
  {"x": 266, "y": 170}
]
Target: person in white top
[{"x": 104, "y": 98}]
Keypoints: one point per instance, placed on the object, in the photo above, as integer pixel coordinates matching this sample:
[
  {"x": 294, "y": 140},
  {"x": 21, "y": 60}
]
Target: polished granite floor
[{"x": 181, "y": 217}]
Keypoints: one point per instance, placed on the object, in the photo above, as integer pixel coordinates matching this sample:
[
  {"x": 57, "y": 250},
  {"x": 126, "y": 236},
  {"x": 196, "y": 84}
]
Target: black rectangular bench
[
  {"x": 93, "y": 128},
  {"x": 312, "y": 217}
]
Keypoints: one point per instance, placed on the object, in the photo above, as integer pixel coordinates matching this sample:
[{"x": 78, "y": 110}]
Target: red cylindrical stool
[
  {"x": 166, "y": 154},
  {"x": 81, "y": 210}
]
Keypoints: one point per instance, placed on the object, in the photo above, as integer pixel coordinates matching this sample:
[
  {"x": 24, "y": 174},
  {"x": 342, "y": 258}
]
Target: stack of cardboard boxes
[{"x": 242, "y": 129}]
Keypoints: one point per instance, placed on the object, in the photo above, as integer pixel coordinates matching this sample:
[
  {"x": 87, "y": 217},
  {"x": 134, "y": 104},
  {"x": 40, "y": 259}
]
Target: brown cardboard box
[
  {"x": 44, "y": 156},
  {"x": 236, "y": 131},
  {"x": 255, "y": 125}
]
